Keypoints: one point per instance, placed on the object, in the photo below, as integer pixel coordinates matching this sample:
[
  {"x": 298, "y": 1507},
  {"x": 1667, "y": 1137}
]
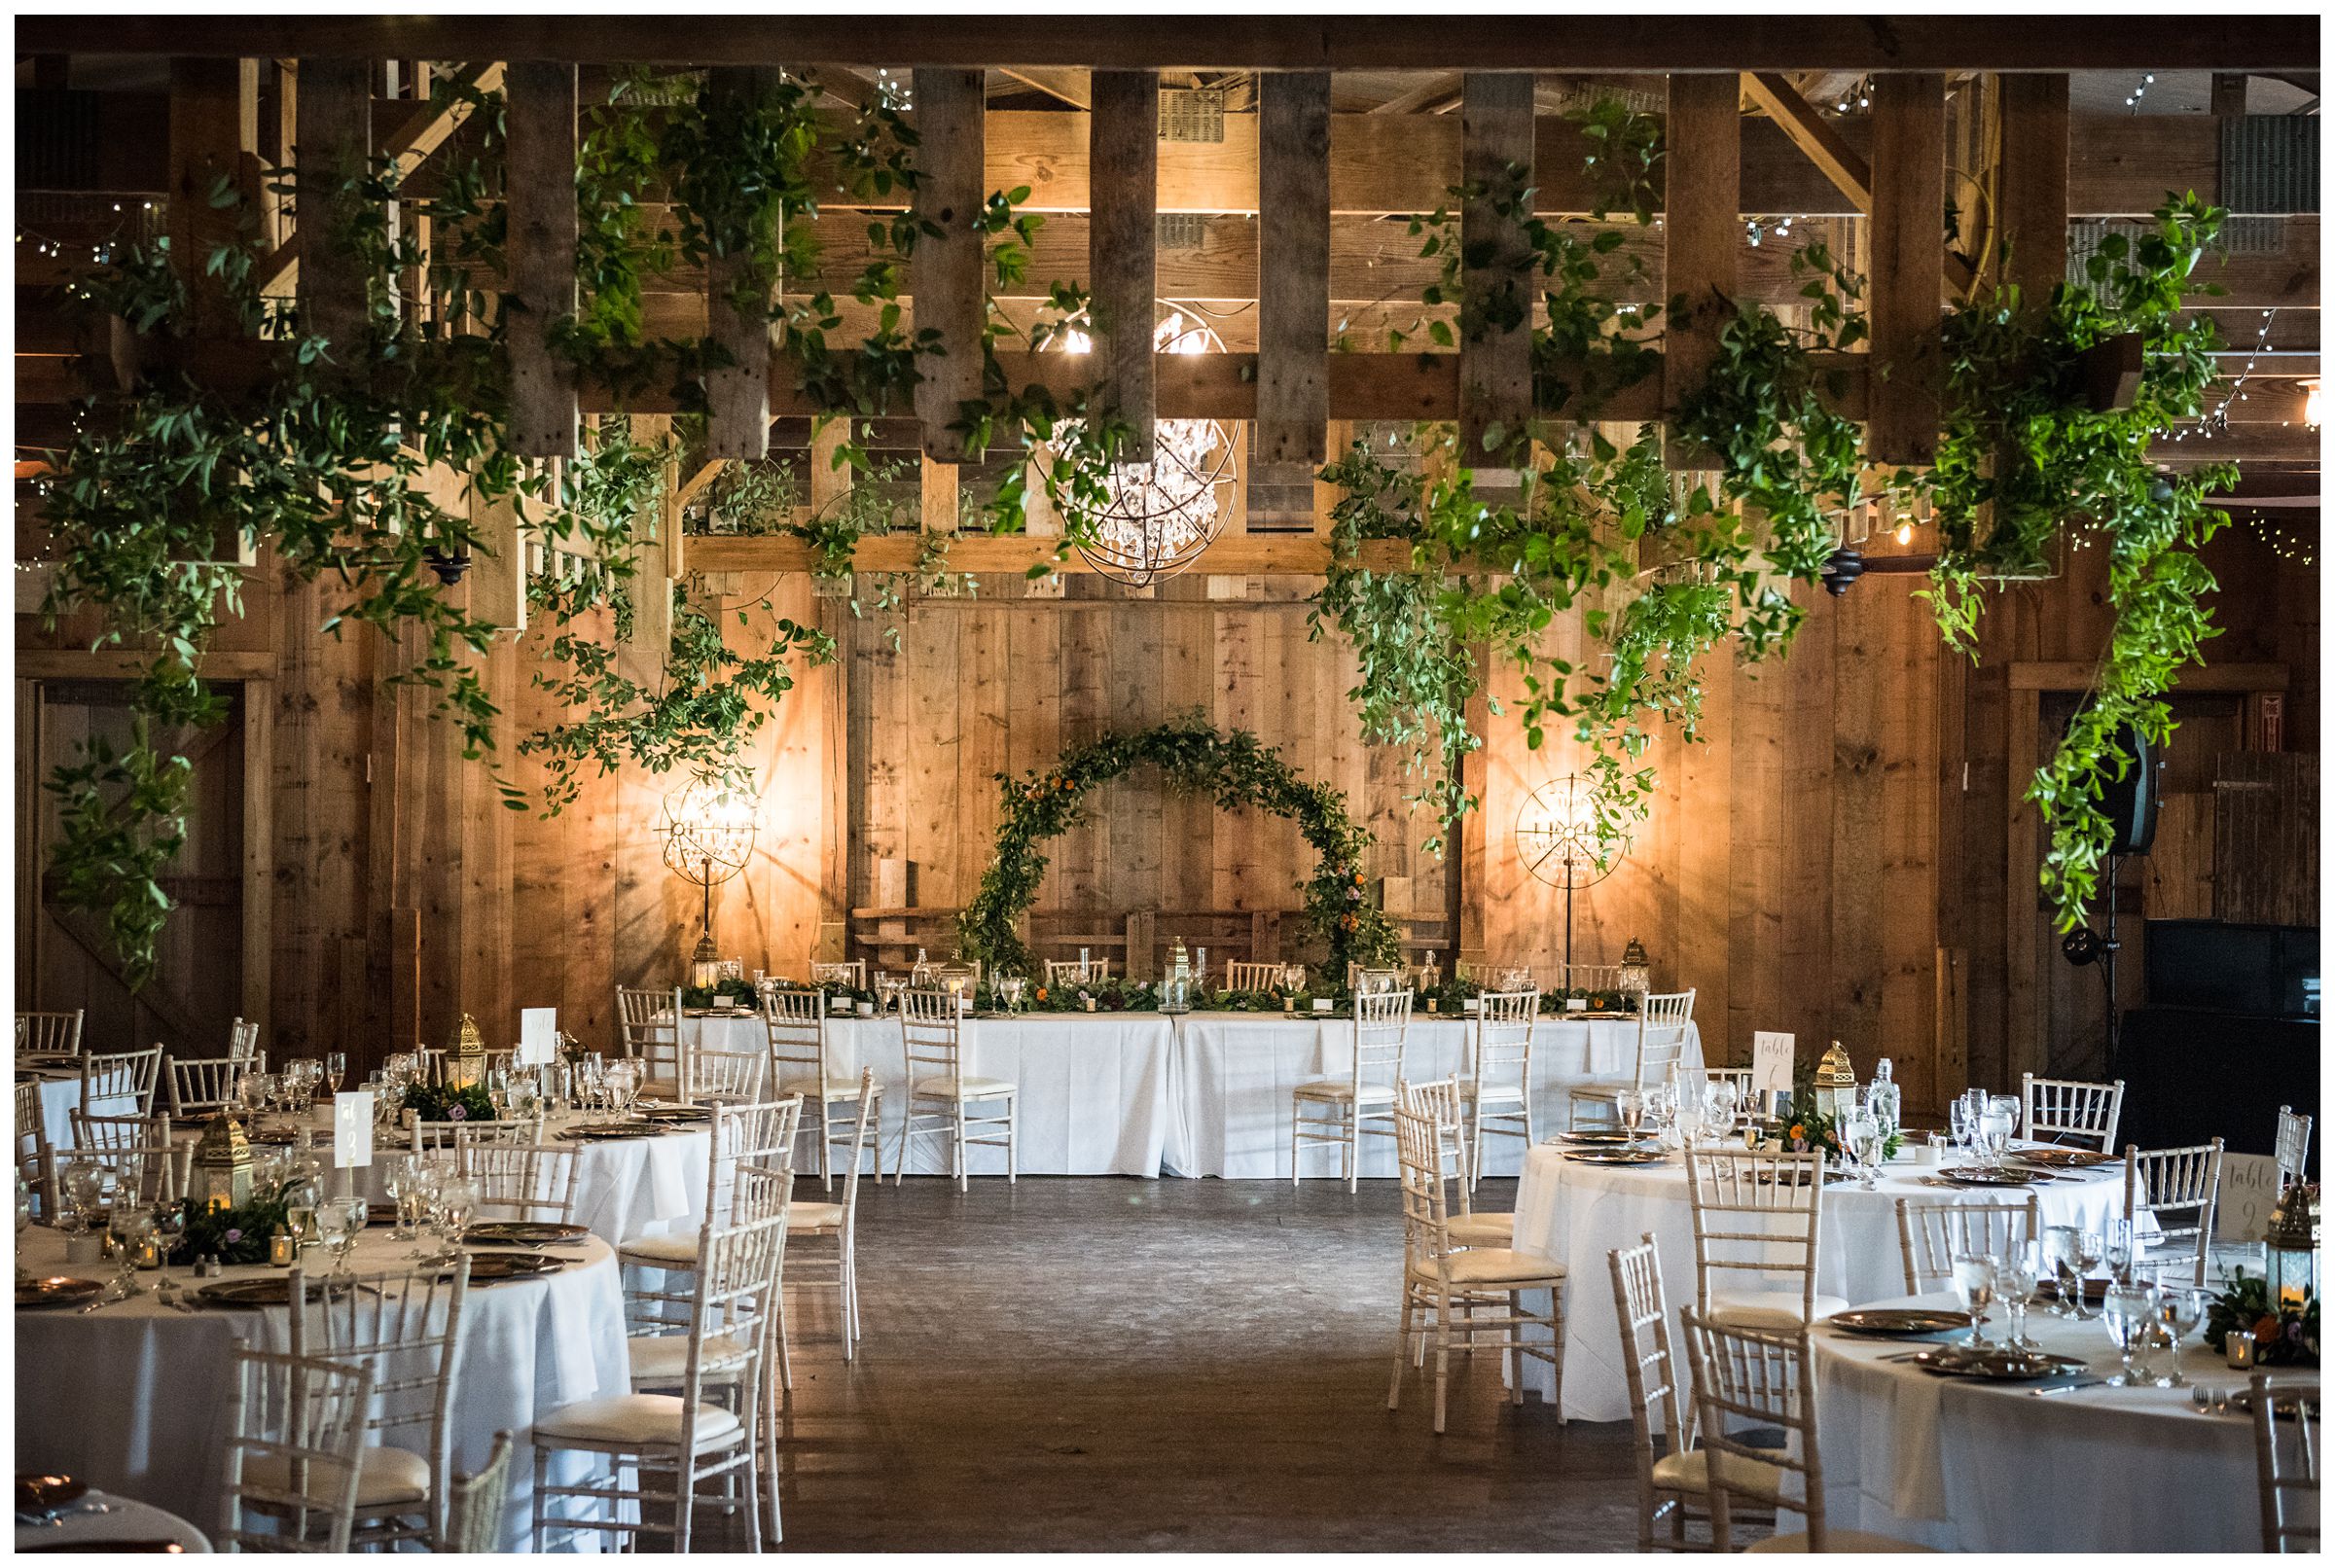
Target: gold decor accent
[
  {"x": 466, "y": 1055},
  {"x": 223, "y": 1164},
  {"x": 1835, "y": 1084}
]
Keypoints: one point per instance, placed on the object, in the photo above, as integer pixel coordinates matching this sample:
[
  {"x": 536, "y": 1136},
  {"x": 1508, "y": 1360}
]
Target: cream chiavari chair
[
  {"x": 243, "y": 1045},
  {"x": 1487, "y": 1284},
  {"x": 203, "y": 1083},
  {"x": 1758, "y": 1215},
  {"x": 1663, "y": 1023},
  {"x": 649, "y": 1028},
  {"x": 724, "y": 1077},
  {"x": 738, "y": 1137},
  {"x": 932, "y": 1038},
  {"x": 1361, "y": 981},
  {"x": 2179, "y": 1188},
  {"x": 2293, "y": 1146},
  {"x": 435, "y": 1137},
  {"x": 796, "y": 1026},
  {"x": 122, "y": 1075},
  {"x": 1364, "y": 1099},
  {"x": 1760, "y": 1378},
  {"x": 533, "y": 1180},
  {"x": 295, "y": 1430},
  {"x": 1440, "y": 1102},
  {"x": 1241, "y": 975},
  {"x": 1499, "y": 1073},
  {"x": 1673, "y": 1484},
  {"x": 1592, "y": 976},
  {"x": 1077, "y": 971},
  {"x": 137, "y": 1151},
  {"x": 30, "y": 1130},
  {"x": 473, "y": 1504},
  {"x": 835, "y": 1228},
  {"x": 403, "y": 1331},
  {"x": 49, "y": 1034},
  {"x": 1931, "y": 1231},
  {"x": 709, "y": 1429},
  {"x": 2286, "y": 1460},
  {"x": 849, "y": 972},
  {"x": 1739, "y": 1077},
  {"x": 2066, "y": 1110}
]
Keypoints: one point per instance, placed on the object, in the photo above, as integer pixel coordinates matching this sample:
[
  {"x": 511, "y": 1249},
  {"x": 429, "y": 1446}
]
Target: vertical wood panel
[
  {"x": 1703, "y": 232},
  {"x": 1495, "y": 360},
  {"x": 947, "y": 266},
  {"x": 1908, "y": 267},
  {"x": 2035, "y": 183},
  {"x": 737, "y": 306},
  {"x": 1123, "y": 244},
  {"x": 1293, "y": 266},
  {"x": 541, "y": 115},
  {"x": 335, "y": 141},
  {"x": 214, "y": 121}
]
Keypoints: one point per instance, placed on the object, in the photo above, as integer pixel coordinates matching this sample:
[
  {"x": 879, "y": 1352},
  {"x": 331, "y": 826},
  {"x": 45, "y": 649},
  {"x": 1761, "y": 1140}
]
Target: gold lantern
[
  {"x": 1835, "y": 1082},
  {"x": 466, "y": 1055},
  {"x": 2291, "y": 1248},
  {"x": 223, "y": 1164},
  {"x": 1637, "y": 973},
  {"x": 704, "y": 965}
]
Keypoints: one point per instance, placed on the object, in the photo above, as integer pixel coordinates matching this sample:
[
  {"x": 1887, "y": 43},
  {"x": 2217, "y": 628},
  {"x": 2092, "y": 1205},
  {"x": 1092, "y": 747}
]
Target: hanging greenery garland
[{"x": 1234, "y": 769}]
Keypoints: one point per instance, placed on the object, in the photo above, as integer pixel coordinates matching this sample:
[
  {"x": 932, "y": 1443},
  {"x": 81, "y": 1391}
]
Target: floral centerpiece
[
  {"x": 443, "y": 1102},
  {"x": 1110, "y": 994},
  {"x": 2283, "y": 1336},
  {"x": 722, "y": 994},
  {"x": 234, "y": 1235},
  {"x": 1809, "y": 1127}
]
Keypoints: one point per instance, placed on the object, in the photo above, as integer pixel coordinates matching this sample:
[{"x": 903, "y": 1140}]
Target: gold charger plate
[
  {"x": 1598, "y": 1137},
  {"x": 2063, "y": 1159},
  {"x": 1615, "y": 1156},
  {"x": 1981, "y": 1176},
  {"x": 261, "y": 1290},
  {"x": 1882, "y": 1321},
  {"x": 56, "y": 1289},
  {"x": 1994, "y": 1364},
  {"x": 522, "y": 1233},
  {"x": 492, "y": 1268}
]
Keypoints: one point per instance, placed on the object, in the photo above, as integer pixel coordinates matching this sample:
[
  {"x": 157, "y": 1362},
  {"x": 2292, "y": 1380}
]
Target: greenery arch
[{"x": 1235, "y": 768}]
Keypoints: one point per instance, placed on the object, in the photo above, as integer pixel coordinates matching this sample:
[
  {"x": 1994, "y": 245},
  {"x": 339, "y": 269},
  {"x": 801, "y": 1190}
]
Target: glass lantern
[
  {"x": 2291, "y": 1248},
  {"x": 704, "y": 965},
  {"x": 1835, "y": 1084},
  {"x": 222, "y": 1166},
  {"x": 1637, "y": 975}
]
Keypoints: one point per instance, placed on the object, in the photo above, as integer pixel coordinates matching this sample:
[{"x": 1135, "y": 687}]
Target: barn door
[{"x": 64, "y": 958}]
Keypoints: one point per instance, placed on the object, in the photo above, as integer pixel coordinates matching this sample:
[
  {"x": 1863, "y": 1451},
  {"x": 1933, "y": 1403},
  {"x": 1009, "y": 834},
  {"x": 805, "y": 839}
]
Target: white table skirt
[
  {"x": 1196, "y": 1094},
  {"x": 60, "y": 1097},
  {"x": 1094, "y": 1097},
  {"x": 625, "y": 1187},
  {"x": 132, "y": 1398},
  {"x": 1578, "y": 1213},
  {"x": 1238, "y": 1071},
  {"x": 1965, "y": 1466}
]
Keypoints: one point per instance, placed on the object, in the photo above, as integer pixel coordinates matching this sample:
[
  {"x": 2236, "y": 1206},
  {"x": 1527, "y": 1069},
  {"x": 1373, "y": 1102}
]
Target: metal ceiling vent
[{"x": 1191, "y": 114}]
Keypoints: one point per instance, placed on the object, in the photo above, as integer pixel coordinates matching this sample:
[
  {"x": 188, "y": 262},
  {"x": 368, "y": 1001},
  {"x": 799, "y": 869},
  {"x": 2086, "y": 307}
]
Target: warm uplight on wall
[{"x": 2311, "y": 403}]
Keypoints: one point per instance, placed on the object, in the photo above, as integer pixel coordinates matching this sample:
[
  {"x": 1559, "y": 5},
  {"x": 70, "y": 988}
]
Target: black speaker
[{"x": 2131, "y": 802}]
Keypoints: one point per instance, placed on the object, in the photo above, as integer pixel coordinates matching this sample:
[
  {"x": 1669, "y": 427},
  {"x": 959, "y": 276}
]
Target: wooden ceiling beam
[
  {"x": 1074, "y": 87},
  {"x": 1580, "y": 44}
]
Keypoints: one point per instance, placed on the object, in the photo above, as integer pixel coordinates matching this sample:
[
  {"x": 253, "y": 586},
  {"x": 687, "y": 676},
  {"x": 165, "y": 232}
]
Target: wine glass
[
  {"x": 84, "y": 1182},
  {"x": 2059, "y": 1257},
  {"x": 418, "y": 1199},
  {"x": 2129, "y": 1313},
  {"x": 2015, "y": 1283},
  {"x": 1994, "y": 1124},
  {"x": 133, "y": 1224},
  {"x": 456, "y": 1198},
  {"x": 1630, "y": 1109},
  {"x": 2182, "y": 1308},
  {"x": 336, "y": 1070},
  {"x": 2090, "y": 1249},
  {"x": 1974, "y": 1283},
  {"x": 332, "y": 1228},
  {"x": 1868, "y": 1139},
  {"x": 2120, "y": 1252}
]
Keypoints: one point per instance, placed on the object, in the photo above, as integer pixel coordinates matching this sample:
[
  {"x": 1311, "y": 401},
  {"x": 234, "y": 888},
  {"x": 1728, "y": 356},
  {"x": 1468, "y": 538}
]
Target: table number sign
[
  {"x": 2250, "y": 1191},
  {"x": 1770, "y": 1062},
  {"x": 538, "y": 1035},
  {"x": 352, "y": 1128}
]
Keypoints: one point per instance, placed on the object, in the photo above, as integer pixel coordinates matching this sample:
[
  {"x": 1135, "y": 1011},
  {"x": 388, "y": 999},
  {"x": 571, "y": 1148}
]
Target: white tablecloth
[
  {"x": 1094, "y": 1098},
  {"x": 60, "y": 1097},
  {"x": 1577, "y": 1213},
  {"x": 124, "y": 1519},
  {"x": 1236, "y": 1072},
  {"x": 132, "y": 1398},
  {"x": 1966, "y": 1466}
]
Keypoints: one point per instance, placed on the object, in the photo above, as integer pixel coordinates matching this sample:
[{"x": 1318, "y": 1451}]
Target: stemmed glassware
[
  {"x": 1630, "y": 1109},
  {"x": 2015, "y": 1284},
  {"x": 336, "y": 1070},
  {"x": 83, "y": 1182},
  {"x": 2181, "y": 1304},
  {"x": 1974, "y": 1282},
  {"x": 455, "y": 1199},
  {"x": 1719, "y": 1107},
  {"x": 1865, "y": 1139},
  {"x": 340, "y": 1220},
  {"x": 2060, "y": 1246},
  {"x": 1994, "y": 1124},
  {"x": 2122, "y": 1251},
  {"x": 133, "y": 1224},
  {"x": 2130, "y": 1312},
  {"x": 418, "y": 1199}
]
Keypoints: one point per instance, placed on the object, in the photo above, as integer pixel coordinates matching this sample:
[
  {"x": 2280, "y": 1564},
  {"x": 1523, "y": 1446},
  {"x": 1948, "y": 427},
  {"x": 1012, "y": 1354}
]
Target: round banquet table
[
  {"x": 1577, "y": 1213},
  {"x": 126, "y": 1525},
  {"x": 1961, "y": 1465},
  {"x": 133, "y": 1397},
  {"x": 60, "y": 1097},
  {"x": 625, "y": 1187}
]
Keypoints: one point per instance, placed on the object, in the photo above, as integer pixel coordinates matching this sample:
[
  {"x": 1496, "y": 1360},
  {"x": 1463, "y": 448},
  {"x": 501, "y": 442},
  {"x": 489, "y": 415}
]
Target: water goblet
[
  {"x": 1630, "y": 1109},
  {"x": 84, "y": 1184},
  {"x": 133, "y": 1224},
  {"x": 336, "y": 1070},
  {"x": 2060, "y": 1247},
  {"x": 456, "y": 1198},
  {"x": 1869, "y": 1142},
  {"x": 2181, "y": 1304},
  {"x": 332, "y": 1228},
  {"x": 2120, "y": 1252},
  {"x": 1974, "y": 1283},
  {"x": 1994, "y": 1124},
  {"x": 2129, "y": 1312},
  {"x": 2015, "y": 1285}
]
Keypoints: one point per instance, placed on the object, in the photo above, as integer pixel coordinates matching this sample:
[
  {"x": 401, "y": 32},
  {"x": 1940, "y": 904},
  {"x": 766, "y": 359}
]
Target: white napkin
[
  {"x": 1605, "y": 1049},
  {"x": 668, "y": 1185}
]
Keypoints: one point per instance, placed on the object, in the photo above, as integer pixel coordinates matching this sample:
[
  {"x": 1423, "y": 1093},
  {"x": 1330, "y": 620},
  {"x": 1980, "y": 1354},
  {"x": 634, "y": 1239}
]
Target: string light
[
  {"x": 2132, "y": 102},
  {"x": 2217, "y": 419}
]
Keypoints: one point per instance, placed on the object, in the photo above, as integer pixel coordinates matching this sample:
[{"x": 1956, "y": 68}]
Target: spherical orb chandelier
[
  {"x": 707, "y": 825},
  {"x": 1557, "y": 838},
  {"x": 1164, "y": 512}
]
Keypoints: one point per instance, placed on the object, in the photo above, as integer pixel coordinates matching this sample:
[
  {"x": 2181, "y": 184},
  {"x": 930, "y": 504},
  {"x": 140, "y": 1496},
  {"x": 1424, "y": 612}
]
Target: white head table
[
  {"x": 132, "y": 1398},
  {"x": 1578, "y": 1213},
  {"x": 1190, "y": 1094},
  {"x": 1972, "y": 1467}
]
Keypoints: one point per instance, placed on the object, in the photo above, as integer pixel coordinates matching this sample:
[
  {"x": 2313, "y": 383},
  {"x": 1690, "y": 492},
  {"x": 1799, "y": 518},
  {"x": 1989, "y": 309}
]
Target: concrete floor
[{"x": 1114, "y": 1365}]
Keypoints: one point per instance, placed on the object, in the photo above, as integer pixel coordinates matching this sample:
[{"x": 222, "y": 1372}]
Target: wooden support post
[
  {"x": 936, "y": 499},
  {"x": 1123, "y": 246},
  {"x": 951, "y": 117},
  {"x": 655, "y": 567},
  {"x": 737, "y": 307},
  {"x": 1293, "y": 266},
  {"x": 1908, "y": 269},
  {"x": 1703, "y": 232},
  {"x": 333, "y": 141},
  {"x": 498, "y": 568},
  {"x": 214, "y": 121},
  {"x": 2032, "y": 191},
  {"x": 541, "y": 115},
  {"x": 259, "y": 852},
  {"x": 1496, "y": 337}
]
